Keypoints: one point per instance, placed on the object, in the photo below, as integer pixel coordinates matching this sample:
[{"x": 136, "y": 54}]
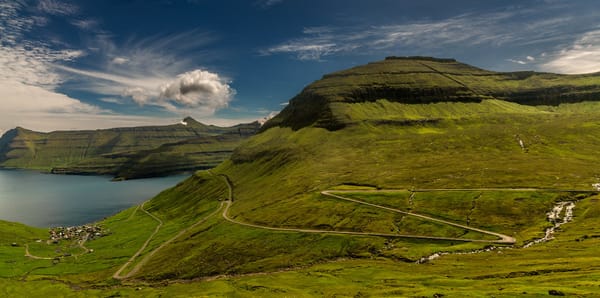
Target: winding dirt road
[
  {"x": 27, "y": 254},
  {"x": 503, "y": 239},
  {"x": 117, "y": 274},
  {"x": 149, "y": 255}
]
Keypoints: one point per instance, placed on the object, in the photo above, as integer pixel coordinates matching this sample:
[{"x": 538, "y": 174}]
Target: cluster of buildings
[{"x": 88, "y": 232}]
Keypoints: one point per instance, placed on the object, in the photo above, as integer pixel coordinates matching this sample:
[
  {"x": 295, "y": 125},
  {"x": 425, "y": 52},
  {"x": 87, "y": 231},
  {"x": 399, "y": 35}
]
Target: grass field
[{"x": 566, "y": 264}]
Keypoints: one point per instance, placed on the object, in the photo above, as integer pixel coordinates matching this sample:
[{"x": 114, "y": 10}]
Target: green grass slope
[
  {"x": 125, "y": 152},
  {"x": 279, "y": 173},
  {"x": 423, "y": 80},
  {"x": 426, "y": 148}
]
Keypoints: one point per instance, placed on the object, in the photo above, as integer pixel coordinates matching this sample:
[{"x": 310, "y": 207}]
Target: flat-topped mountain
[
  {"x": 128, "y": 152},
  {"x": 398, "y": 124},
  {"x": 422, "y": 80}
]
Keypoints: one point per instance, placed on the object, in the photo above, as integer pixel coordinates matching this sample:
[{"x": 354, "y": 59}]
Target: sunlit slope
[
  {"x": 126, "y": 152},
  {"x": 419, "y": 149},
  {"x": 422, "y": 80},
  {"x": 471, "y": 142}
]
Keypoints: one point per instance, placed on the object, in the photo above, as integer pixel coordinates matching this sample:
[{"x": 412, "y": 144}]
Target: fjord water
[{"x": 45, "y": 200}]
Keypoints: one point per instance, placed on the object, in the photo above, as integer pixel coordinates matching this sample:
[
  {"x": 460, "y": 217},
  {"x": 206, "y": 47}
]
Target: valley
[{"x": 362, "y": 175}]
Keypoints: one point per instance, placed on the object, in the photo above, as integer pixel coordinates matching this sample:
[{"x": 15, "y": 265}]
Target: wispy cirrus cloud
[
  {"x": 582, "y": 56},
  {"x": 267, "y": 3},
  {"x": 156, "y": 71},
  {"x": 27, "y": 77},
  {"x": 496, "y": 29},
  {"x": 57, "y": 7}
]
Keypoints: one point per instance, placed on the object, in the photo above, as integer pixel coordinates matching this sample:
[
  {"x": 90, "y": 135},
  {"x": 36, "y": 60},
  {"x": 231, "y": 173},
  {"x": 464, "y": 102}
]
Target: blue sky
[{"x": 97, "y": 64}]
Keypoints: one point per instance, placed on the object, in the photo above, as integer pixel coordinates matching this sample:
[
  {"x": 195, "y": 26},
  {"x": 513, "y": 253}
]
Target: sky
[{"x": 90, "y": 64}]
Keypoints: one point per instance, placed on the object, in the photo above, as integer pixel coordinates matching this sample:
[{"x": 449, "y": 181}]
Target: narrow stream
[{"x": 554, "y": 217}]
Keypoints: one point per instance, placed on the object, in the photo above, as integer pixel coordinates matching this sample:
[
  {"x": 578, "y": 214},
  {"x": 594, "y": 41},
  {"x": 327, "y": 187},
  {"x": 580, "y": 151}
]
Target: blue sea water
[{"x": 45, "y": 200}]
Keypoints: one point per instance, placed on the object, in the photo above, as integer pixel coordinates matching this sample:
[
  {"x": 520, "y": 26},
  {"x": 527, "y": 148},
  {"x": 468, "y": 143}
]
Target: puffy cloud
[
  {"x": 198, "y": 88},
  {"x": 201, "y": 89},
  {"x": 138, "y": 94},
  {"x": 583, "y": 56}
]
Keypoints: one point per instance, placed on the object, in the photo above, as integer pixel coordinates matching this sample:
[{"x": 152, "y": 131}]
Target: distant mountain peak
[{"x": 189, "y": 121}]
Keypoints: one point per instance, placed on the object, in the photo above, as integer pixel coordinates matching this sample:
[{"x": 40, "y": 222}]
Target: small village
[{"x": 84, "y": 232}]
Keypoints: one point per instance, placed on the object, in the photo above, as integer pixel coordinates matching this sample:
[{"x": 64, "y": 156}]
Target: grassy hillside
[
  {"x": 125, "y": 152},
  {"x": 474, "y": 154},
  {"x": 422, "y": 80},
  {"x": 278, "y": 174},
  {"x": 567, "y": 265}
]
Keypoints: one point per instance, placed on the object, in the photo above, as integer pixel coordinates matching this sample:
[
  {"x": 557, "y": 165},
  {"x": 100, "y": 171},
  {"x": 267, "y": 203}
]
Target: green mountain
[
  {"x": 124, "y": 152},
  {"x": 363, "y": 174}
]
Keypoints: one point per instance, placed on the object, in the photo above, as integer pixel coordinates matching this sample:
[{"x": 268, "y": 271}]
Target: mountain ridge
[
  {"x": 114, "y": 151},
  {"x": 422, "y": 80}
]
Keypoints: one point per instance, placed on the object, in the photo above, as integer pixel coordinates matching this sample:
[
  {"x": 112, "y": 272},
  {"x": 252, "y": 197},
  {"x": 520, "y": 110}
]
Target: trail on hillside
[
  {"x": 27, "y": 254},
  {"x": 504, "y": 239},
  {"x": 80, "y": 243},
  {"x": 145, "y": 260},
  {"x": 117, "y": 274}
]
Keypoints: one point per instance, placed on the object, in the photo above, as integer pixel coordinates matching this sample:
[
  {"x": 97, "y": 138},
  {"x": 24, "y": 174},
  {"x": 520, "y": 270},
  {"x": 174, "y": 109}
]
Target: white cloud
[
  {"x": 56, "y": 7},
  {"x": 31, "y": 72},
  {"x": 120, "y": 60},
  {"x": 26, "y": 61},
  {"x": 86, "y": 24},
  {"x": 39, "y": 99},
  {"x": 530, "y": 58},
  {"x": 517, "y": 61},
  {"x": 270, "y": 116},
  {"x": 198, "y": 88},
  {"x": 305, "y": 50},
  {"x": 490, "y": 29},
  {"x": 582, "y": 56},
  {"x": 37, "y": 108},
  {"x": 112, "y": 100},
  {"x": 138, "y": 94}
]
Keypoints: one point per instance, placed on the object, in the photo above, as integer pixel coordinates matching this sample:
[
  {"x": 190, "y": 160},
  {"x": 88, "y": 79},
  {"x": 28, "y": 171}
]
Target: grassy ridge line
[
  {"x": 425, "y": 81},
  {"x": 135, "y": 152},
  {"x": 504, "y": 239}
]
